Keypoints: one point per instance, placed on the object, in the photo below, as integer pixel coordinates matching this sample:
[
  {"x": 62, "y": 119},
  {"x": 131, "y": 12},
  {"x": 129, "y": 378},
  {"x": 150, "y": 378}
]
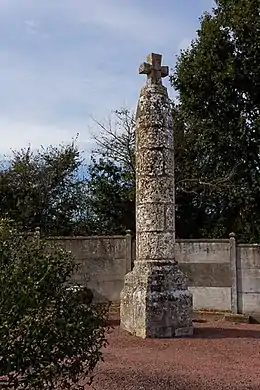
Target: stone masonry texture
[{"x": 155, "y": 300}]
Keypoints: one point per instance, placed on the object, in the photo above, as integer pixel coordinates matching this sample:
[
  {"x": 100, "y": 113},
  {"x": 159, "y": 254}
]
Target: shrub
[{"x": 49, "y": 339}]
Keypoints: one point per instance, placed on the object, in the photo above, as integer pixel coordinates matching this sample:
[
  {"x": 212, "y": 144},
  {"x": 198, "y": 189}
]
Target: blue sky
[{"x": 63, "y": 62}]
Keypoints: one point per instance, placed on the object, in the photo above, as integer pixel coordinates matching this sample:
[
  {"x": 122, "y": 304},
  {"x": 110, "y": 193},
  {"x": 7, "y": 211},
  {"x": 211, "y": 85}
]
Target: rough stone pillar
[{"x": 155, "y": 300}]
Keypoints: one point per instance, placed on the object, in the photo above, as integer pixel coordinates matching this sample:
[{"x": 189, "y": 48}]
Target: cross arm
[
  {"x": 145, "y": 68},
  {"x": 164, "y": 71}
]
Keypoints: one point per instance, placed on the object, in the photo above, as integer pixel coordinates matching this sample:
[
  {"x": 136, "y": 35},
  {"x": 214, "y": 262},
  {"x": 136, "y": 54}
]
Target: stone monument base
[{"x": 155, "y": 301}]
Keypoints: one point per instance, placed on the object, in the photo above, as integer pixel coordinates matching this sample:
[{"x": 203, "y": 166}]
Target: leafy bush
[{"x": 49, "y": 339}]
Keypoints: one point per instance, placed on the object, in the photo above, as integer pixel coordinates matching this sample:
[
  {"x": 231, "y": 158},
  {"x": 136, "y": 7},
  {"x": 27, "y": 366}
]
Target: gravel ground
[{"x": 220, "y": 356}]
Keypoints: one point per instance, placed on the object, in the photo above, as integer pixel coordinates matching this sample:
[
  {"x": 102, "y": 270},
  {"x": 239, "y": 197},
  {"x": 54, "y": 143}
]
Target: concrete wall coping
[
  {"x": 248, "y": 245},
  {"x": 203, "y": 240},
  {"x": 71, "y": 238},
  {"x": 179, "y": 241}
]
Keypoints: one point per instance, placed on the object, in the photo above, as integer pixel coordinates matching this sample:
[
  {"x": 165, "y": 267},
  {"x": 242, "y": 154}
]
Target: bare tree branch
[
  {"x": 117, "y": 139},
  {"x": 117, "y": 142}
]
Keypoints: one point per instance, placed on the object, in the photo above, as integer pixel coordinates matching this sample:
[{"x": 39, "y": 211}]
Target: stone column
[{"x": 155, "y": 300}]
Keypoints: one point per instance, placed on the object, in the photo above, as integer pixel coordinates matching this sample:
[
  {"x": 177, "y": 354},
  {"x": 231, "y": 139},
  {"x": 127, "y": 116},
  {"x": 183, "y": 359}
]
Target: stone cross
[
  {"x": 155, "y": 300},
  {"x": 154, "y": 69}
]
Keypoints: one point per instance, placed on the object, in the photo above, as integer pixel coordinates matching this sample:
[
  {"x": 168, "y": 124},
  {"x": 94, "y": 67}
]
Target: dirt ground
[{"x": 220, "y": 355}]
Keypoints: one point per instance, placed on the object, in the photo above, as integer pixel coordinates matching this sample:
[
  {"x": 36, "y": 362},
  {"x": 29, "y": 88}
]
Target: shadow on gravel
[
  {"x": 212, "y": 332},
  {"x": 113, "y": 322},
  {"x": 225, "y": 333}
]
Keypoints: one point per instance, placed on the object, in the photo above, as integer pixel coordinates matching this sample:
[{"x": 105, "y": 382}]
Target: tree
[
  {"x": 111, "y": 176},
  {"x": 43, "y": 189},
  {"x": 49, "y": 337},
  {"x": 111, "y": 197},
  {"x": 217, "y": 80},
  {"x": 116, "y": 142}
]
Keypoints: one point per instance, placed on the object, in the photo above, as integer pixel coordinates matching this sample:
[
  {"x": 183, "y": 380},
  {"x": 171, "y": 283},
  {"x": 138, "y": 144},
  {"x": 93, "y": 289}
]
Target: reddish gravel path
[{"x": 220, "y": 356}]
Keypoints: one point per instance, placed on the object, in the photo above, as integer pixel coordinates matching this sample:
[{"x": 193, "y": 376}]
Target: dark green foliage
[
  {"x": 48, "y": 338},
  {"x": 218, "y": 81},
  {"x": 111, "y": 197},
  {"x": 43, "y": 189}
]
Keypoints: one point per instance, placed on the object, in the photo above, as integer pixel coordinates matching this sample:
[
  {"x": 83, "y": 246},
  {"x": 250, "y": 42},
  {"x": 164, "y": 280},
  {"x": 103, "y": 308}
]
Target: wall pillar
[{"x": 233, "y": 268}]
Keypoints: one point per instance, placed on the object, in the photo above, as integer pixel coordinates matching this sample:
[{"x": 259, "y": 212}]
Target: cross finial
[{"x": 154, "y": 69}]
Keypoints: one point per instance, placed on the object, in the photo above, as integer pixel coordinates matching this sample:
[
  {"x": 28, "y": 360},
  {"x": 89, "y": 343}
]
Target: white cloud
[
  {"x": 184, "y": 44},
  {"x": 31, "y": 23},
  {"x": 17, "y": 135}
]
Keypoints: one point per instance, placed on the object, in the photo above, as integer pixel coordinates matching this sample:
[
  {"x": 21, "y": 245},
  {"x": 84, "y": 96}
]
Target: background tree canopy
[
  {"x": 216, "y": 129},
  {"x": 217, "y": 81},
  {"x": 43, "y": 189},
  {"x": 216, "y": 125}
]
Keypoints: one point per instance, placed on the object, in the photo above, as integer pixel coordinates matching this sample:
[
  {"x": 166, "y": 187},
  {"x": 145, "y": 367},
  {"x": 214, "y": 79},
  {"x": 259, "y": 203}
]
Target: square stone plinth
[{"x": 156, "y": 302}]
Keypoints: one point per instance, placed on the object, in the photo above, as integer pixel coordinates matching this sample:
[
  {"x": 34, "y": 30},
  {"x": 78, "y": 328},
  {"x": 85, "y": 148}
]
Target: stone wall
[
  {"x": 222, "y": 274},
  {"x": 248, "y": 279},
  {"x": 207, "y": 266},
  {"x": 103, "y": 261}
]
